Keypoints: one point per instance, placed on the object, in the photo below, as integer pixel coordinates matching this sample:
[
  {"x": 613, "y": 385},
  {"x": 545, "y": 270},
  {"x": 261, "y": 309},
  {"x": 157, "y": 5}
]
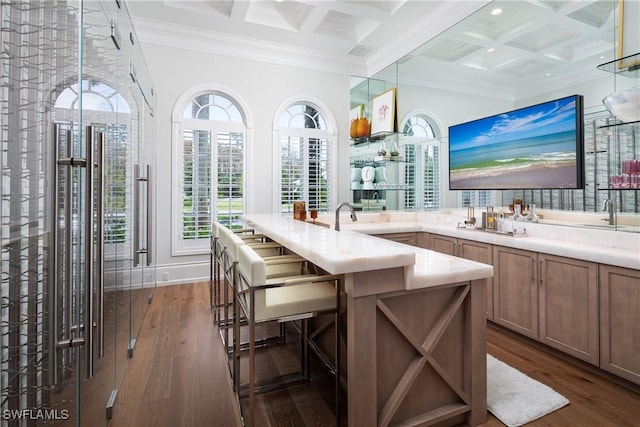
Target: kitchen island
[{"x": 416, "y": 326}]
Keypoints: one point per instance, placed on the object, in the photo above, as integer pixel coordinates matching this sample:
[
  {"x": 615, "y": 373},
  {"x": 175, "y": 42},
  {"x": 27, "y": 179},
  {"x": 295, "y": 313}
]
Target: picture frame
[
  {"x": 628, "y": 34},
  {"x": 356, "y": 112},
  {"x": 384, "y": 113}
]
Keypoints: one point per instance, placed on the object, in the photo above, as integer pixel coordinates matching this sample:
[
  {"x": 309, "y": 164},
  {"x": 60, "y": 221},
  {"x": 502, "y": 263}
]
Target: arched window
[
  {"x": 419, "y": 126},
  {"x": 210, "y": 153},
  {"x": 96, "y": 96},
  {"x": 422, "y": 170},
  {"x": 110, "y": 113},
  {"x": 305, "y": 144}
]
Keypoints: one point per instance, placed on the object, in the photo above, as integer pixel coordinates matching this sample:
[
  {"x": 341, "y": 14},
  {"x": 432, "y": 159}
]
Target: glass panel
[
  {"x": 49, "y": 217},
  {"x": 39, "y": 47},
  {"x": 102, "y": 120},
  {"x": 213, "y": 106},
  {"x": 136, "y": 87}
]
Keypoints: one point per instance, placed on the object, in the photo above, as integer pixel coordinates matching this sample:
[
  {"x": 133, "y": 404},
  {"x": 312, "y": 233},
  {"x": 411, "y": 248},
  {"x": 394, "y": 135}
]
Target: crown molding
[{"x": 211, "y": 42}]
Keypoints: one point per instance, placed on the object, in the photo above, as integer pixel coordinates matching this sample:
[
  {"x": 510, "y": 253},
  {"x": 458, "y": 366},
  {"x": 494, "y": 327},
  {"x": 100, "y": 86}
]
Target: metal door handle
[{"x": 136, "y": 206}]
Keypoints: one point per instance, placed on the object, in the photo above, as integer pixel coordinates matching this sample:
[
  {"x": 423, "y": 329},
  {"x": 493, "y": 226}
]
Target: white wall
[{"x": 263, "y": 87}]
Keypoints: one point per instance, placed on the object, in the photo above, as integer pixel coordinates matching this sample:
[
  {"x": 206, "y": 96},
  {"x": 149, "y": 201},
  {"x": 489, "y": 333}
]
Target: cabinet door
[
  {"x": 444, "y": 244},
  {"x": 620, "y": 322},
  {"x": 424, "y": 240},
  {"x": 515, "y": 290},
  {"x": 480, "y": 252},
  {"x": 569, "y": 306},
  {"x": 407, "y": 238}
]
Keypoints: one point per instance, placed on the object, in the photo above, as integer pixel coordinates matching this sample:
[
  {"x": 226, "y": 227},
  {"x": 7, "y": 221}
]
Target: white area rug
[{"x": 516, "y": 399}]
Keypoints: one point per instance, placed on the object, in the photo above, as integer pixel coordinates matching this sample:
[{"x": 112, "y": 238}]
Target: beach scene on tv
[{"x": 533, "y": 147}]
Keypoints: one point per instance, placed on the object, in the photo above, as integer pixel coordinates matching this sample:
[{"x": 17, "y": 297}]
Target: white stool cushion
[
  {"x": 282, "y": 301},
  {"x": 293, "y": 300}
]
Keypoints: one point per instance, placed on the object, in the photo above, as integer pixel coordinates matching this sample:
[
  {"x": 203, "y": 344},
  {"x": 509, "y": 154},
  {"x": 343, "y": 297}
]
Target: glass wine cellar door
[{"x": 77, "y": 224}]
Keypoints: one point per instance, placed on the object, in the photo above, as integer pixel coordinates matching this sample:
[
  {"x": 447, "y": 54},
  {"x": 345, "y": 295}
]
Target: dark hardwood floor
[{"x": 178, "y": 377}]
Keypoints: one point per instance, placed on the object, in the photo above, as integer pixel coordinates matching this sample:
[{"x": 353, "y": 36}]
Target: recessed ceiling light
[
  {"x": 497, "y": 11},
  {"x": 548, "y": 74},
  {"x": 602, "y": 57},
  {"x": 490, "y": 49}
]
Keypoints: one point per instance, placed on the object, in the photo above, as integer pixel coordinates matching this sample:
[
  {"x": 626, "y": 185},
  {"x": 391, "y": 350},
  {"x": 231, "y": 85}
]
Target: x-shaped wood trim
[{"x": 425, "y": 349}]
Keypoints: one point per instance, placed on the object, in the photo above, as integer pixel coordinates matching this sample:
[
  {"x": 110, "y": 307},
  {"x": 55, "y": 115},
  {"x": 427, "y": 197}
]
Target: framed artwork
[
  {"x": 356, "y": 112},
  {"x": 383, "y": 113},
  {"x": 628, "y": 33}
]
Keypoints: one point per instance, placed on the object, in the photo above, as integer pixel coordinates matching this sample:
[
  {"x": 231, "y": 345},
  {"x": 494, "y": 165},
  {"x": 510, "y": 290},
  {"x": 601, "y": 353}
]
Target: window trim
[
  {"x": 332, "y": 136},
  {"x": 201, "y": 246}
]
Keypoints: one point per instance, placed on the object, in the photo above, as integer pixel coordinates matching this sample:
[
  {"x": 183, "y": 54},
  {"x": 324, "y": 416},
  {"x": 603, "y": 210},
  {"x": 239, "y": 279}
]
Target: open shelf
[
  {"x": 628, "y": 66},
  {"x": 618, "y": 124}
]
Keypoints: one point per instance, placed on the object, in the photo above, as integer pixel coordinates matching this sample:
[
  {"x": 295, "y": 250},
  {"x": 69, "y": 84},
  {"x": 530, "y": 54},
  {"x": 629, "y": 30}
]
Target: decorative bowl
[{"x": 624, "y": 104}]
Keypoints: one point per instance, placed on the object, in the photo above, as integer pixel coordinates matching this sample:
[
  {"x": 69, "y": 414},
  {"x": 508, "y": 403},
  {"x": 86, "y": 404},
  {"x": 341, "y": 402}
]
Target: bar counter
[{"x": 416, "y": 325}]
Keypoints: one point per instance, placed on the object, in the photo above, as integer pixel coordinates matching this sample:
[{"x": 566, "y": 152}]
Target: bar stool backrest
[{"x": 231, "y": 242}]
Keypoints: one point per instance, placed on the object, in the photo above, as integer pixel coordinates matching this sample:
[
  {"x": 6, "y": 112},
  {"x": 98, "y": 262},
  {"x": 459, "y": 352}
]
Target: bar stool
[
  {"x": 261, "y": 299},
  {"x": 289, "y": 265},
  {"x": 217, "y": 246},
  {"x": 217, "y": 252}
]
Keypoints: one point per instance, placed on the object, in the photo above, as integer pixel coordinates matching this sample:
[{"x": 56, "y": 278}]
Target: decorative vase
[
  {"x": 395, "y": 151},
  {"x": 382, "y": 149},
  {"x": 353, "y": 130},
  {"x": 532, "y": 217},
  {"x": 624, "y": 104},
  {"x": 363, "y": 127}
]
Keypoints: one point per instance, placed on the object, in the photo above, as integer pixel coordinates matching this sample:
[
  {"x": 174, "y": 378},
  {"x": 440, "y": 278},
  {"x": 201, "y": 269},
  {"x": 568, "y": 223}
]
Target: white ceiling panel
[{"x": 528, "y": 36}]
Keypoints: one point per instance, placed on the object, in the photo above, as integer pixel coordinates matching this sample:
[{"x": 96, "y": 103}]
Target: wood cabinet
[
  {"x": 568, "y": 306},
  {"x": 467, "y": 249},
  {"x": 515, "y": 290},
  {"x": 444, "y": 244},
  {"x": 424, "y": 240},
  {"x": 480, "y": 252},
  {"x": 407, "y": 238},
  {"x": 620, "y": 321},
  {"x": 587, "y": 310}
]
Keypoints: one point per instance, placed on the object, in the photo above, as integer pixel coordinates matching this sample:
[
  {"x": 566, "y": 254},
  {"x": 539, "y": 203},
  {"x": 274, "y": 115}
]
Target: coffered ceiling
[
  {"x": 532, "y": 44},
  {"x": 356, "y": 37},
  {"x": 531, "y": 47}
]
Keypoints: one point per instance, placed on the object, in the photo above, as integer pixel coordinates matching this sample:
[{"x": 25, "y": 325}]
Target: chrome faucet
[
  {"x": 608, "y": 206},
  {"x": 353, "y": 214}
]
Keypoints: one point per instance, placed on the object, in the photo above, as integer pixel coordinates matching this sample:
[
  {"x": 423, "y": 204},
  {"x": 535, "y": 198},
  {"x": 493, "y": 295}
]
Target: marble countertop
[
  {"x": 596, "y": 245},
  {"x": 350, "y": 251}
]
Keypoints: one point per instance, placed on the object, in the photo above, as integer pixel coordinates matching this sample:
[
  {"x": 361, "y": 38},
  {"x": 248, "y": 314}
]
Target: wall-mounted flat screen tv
[{"x": 536, "y": 147}]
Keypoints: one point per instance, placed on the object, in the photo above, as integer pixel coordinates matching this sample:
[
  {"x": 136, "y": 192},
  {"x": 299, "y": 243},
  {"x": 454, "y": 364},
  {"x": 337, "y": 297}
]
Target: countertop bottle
[
  {"x": 517, "y": 216},
  {"x": 532, "y": 217}
]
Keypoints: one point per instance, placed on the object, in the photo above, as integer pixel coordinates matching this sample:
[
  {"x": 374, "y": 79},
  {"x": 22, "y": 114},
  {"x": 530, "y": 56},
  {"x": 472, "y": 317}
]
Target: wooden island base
[{"x": 415, "y": 357}]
